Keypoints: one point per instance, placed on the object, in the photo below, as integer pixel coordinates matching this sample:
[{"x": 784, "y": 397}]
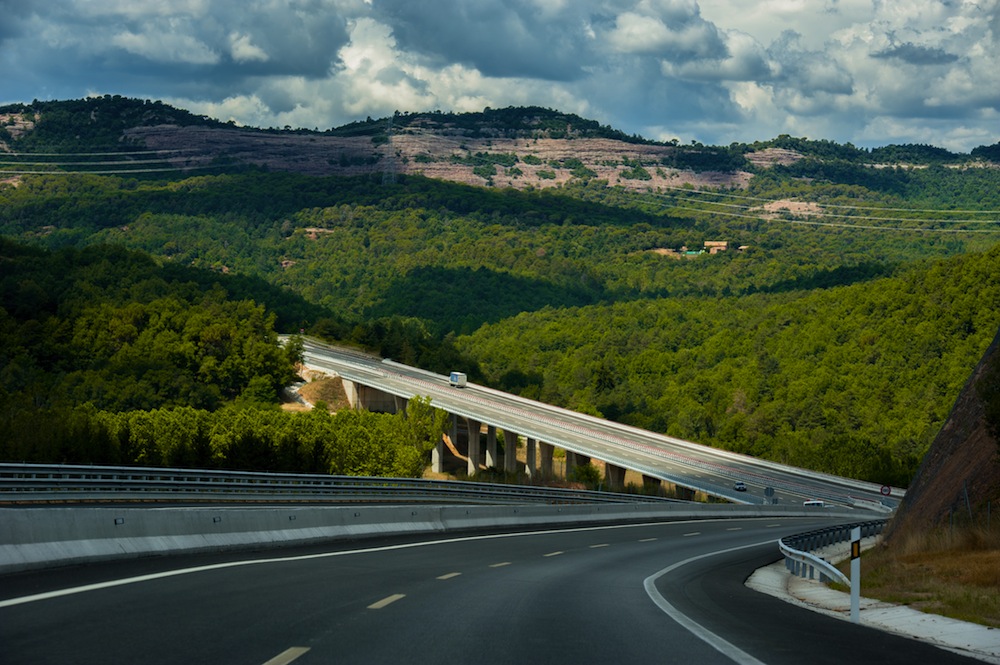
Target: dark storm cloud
[
  {"x": 507, "y": 39},
  {"x": 917, "y": 55},
  {"x": 169, "y": 49}
]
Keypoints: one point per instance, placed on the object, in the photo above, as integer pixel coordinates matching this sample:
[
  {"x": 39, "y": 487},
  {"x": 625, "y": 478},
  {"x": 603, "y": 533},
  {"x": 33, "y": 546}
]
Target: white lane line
[
  {"x": 735, "y": 528},
  {"x": 138, "y": 579},
  {"x": 693, "y": 533},
  {"x": 713, "y": 640},
  {"x": 448, "y": 576},
  {"x": 500, "y": 565},
  {"x": 594, "y": 547},
  {"x": 553, "y": 554},
  {"x": 386, "y": 601},
  {"x": 287, "y": 656},
  {"x": 646, "y": 540}
]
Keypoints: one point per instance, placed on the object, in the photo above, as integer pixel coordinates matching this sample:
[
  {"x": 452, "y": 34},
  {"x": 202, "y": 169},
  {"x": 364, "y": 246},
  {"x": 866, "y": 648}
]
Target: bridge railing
[
  {"x": 41, "y": 483},
  {"x": 799, "y": 550}
]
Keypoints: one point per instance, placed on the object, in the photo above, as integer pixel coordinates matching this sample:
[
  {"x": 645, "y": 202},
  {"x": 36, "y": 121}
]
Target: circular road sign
[
  {"x": 886, "y": 490},
  {"x": 768, "y": 491}
]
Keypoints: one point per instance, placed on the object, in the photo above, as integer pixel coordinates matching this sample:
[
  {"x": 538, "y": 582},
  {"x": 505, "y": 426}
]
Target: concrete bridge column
[
  {"x": 400, "y": 403},
  {"x": 545, "y": 451},
  {"x": 574, "y": 460},
  {"x": 614, "y": 477},
  {"x": 475, "y": 454},
  {"x": 351, "y": 390},
  {"x": 529, "y": 463},
  {"x": 437, "y": 455},
  {"x": 649, "y": 482},
  {"x": 491, "y": 446},
  {"x": 510, "y": 451}
]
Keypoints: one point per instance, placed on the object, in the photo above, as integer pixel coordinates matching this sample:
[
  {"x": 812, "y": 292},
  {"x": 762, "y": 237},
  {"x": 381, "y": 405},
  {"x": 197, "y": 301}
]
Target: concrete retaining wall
[{"x": 32, "y": 538}]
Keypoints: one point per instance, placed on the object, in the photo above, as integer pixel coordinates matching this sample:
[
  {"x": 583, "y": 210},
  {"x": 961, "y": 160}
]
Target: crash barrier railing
[
  {"x": 42, "y": 483},
  {"x": 798, "y": 549}
]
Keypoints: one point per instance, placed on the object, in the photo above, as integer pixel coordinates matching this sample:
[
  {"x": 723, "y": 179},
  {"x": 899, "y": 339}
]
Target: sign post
[{"x": 856, "y": 575}]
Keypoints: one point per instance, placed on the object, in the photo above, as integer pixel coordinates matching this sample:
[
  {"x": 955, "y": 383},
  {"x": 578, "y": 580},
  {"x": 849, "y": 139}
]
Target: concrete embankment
[{"x": 40, "y": 537}]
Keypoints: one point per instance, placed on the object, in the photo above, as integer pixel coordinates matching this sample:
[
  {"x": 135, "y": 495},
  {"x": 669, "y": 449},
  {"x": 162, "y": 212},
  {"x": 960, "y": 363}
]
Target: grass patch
[{"x": 950, "y": 572}]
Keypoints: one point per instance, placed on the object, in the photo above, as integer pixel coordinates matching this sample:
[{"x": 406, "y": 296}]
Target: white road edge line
[{"x": 699, "y": 631}]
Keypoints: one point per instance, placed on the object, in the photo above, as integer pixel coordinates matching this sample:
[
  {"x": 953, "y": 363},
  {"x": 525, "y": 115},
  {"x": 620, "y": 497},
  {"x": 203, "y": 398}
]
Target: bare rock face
[
  {"x": 960, "y": 474},
  {"x": 433, "y": 154}
]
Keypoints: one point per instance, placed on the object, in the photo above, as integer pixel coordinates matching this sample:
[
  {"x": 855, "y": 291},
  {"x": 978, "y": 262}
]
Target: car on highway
[
  {"x": 740, "y": 486},
  {"x": 814, "y": 503}
]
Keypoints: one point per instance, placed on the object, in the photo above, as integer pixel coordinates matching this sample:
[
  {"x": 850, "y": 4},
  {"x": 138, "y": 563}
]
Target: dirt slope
[{"x": 961, "y": 471}]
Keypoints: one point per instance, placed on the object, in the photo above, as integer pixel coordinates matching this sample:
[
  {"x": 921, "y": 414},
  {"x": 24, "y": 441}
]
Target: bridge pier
[
  {"x": 366, "y": 398},
  {"x": 510, "y": 451},
  {"x": 614, "y": 476},
  {"x": 573, "y": 460},
  {"x": 684, "y": 493},
  {"x": 545, "y": 451},
  {"x": 529, "y": 458},
  {"x": 437, "y": 455},
  {"x": 475, "y": 454},
  {"x": 651, "y": 483},
  {"x": 491, "y": 446}
]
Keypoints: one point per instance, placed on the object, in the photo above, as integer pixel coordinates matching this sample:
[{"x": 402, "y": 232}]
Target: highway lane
[
  {"x": 670, "y": 459},
  {"x": 545, "y": 597}
]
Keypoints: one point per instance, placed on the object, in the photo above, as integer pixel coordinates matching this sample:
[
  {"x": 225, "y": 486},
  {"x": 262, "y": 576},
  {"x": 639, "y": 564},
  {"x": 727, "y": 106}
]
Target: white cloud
[
  {"x": 243, "y": 49},
  {"x": 865, "y": 71}
]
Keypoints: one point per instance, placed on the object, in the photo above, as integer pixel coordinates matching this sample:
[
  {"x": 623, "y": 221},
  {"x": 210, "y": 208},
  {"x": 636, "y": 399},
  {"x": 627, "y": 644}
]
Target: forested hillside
[{"x": 833, "y": 331}]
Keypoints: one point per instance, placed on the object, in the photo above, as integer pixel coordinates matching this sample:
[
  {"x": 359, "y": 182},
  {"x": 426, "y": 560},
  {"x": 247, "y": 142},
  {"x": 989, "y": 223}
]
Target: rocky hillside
[
  {"x": 519, "y": 148},
  {"x": 959, "y": 479}
]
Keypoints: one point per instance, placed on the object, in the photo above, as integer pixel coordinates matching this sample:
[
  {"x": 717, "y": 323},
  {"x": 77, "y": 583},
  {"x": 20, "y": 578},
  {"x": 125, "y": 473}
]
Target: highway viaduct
[{"x": 383, "y": 385}]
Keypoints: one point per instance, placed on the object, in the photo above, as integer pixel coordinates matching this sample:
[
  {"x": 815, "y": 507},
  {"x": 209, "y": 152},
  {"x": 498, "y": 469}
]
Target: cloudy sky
[{"x": 870, "y": 72}]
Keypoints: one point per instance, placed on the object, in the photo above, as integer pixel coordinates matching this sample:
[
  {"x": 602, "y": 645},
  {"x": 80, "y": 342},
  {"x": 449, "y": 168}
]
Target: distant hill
[{"x": 519, "y": 147}]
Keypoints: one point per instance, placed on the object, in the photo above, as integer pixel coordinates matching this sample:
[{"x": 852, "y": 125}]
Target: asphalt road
[{"x": 641, "y": 593}]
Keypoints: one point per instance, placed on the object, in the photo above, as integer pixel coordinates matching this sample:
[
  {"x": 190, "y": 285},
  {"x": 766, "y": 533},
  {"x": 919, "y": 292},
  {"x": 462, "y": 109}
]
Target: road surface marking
[
  {"x": 500, "y": 565},
  {"x": 139, "y": 579},
  {"x": 647, "y": 540},
  {"x": 287, "y": 656},
  {"x": 552, "y": 554},
  {"x": 734, "y": 528},
  {"x": 448, "y": 576},
  {"x": 598, "y": 545},
  {"x": 386, "y": 601},
  {"x": 710, "y": 638},
  {"x": 693, "y": 533}
]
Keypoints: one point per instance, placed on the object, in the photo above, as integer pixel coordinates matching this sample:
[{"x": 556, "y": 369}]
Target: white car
[{"x": 740, "y": 486}]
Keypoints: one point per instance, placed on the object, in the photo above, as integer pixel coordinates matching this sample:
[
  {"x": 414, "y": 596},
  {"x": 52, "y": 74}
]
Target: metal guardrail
[
  {"x": 44, "y": 483},
  {"x": 800, "y": 560}
]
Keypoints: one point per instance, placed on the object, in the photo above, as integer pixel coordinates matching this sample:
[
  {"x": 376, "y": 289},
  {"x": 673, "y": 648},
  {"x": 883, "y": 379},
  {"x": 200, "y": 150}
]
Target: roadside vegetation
[
  {"x": 140, "y": 313},
  {"x": 838, "y": 347},
  {"x": 950, "y": 571}
]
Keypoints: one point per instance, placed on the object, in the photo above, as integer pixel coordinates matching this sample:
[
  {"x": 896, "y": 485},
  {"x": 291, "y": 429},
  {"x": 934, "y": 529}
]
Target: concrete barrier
[{"x": 33, "y": 538}]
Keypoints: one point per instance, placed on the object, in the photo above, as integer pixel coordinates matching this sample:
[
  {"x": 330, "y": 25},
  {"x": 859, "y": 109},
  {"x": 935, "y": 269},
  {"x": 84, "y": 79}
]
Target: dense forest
[
  {"x": 835, "y": 339},
  {"x": 110, "y": 358}
]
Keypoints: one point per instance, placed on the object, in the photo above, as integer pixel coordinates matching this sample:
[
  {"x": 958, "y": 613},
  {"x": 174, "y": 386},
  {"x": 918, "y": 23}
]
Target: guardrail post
[{"x": 856, "y": 575}]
